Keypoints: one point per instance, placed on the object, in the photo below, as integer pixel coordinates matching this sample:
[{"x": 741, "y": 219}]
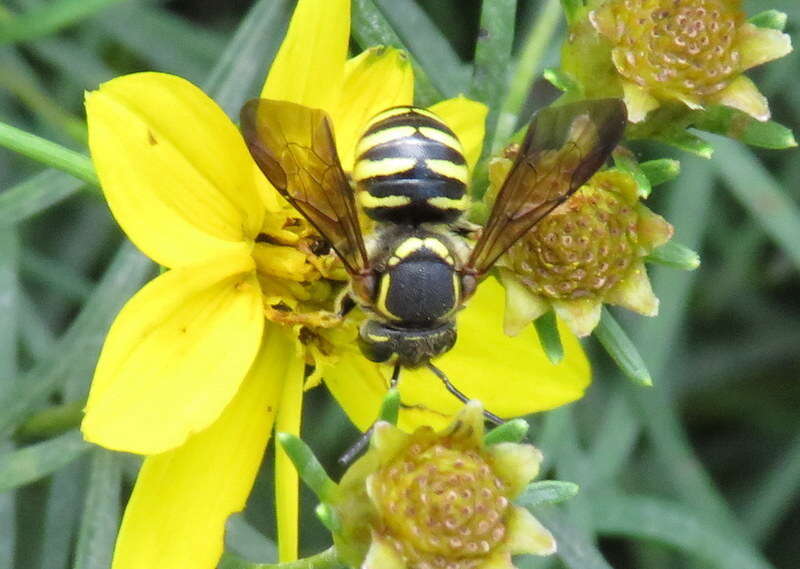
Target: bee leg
[
  {"x": 491, "y": 417},
  {"x": 362, "y": 441}
]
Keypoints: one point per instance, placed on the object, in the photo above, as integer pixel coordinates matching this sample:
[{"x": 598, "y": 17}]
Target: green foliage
[{"x": 649, "y": 462}]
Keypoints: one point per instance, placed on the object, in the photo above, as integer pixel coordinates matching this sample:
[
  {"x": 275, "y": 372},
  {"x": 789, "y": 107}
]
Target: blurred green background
[{"x": 703, "y": 470}]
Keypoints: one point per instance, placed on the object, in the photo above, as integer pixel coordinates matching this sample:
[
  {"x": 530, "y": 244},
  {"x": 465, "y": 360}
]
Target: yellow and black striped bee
[{"x": 416, "y": 269}]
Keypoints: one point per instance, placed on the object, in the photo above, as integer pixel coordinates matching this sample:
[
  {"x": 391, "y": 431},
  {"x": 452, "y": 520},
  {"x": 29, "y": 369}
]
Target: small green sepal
[
  {"x": 549, "y": 338},
  {"x": 308, "y": 467},
  {"x": 676, "y": 256},
  {"x": 572, "y": 9},
  {"x": 741, "y": 126},
  {"x": 687, "y": 142},
  {"x": 770, "y": 19},
  {"x": 626, "y": 161},
  {"x": 622, "y": 350},
  {"x": 547, "y": 492},
  {"x": 513, "y": 431},
  {"x": 390, "y": 408},
  {"x": 327, "y": 515},
  {"x": 561, "y": 80},
  {"x": 660, "y": 171}
]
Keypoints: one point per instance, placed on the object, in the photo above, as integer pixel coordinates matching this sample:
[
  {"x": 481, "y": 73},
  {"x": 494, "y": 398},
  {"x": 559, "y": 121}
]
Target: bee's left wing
[
  {"x": 294, "y": 146},
  {"x": 564, "y": 147}
]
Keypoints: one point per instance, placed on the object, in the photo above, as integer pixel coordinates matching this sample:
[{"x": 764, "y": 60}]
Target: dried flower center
[
  {"x": 441, "y": 507},
  {"x": 669, "y": 46},
  {"x": 582, "y": 249}
]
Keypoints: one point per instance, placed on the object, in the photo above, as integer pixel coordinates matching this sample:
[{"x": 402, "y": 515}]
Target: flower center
[
  {"x": 582, "y": 249},
  {"x": 441, "y": 507},
  {"x": 683, "y": 46}
]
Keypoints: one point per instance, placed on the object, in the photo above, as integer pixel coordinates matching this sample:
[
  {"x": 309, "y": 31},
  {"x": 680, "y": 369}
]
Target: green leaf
[
  {"x": 626, "y": 161},
  {"x": 546, "y": 492},
  {"x": 761, "y": 195},
  {"x": 675, "y": 255},
  {"x": 65, "y": 492},
  {"x": 240, "y": 71},
  {"x": 244, "y": 540},
  {"x": 661, "y": 170},
  {"x": 327, "y": 515},
  {"x": 390, "y": 408},
  {"x": 35, "y": 195},
  {"x": 26, "y": 465},
  {"x": 572, "y": 9},
  {"x": 52, "y": 421},
  {"x": 687, "y": 142},
  {"x": 675, "y": 525},
  {"x": 574, "y": 548},
  {"x": 741, "y": 126},
  {"x": 47, "y": 18},
  {"x": 549, "y": 338},
  {"x": 560, "y": 80},
  {"x": 426, "y": 43},
  {"x": 56, "y": 275},
  {"x": 47, "y": 152},
  {"x": 492, "y": 54},
  {"x": 77, "y": 350},
  {"x": 307, "y": 465},
  {"x": 98, "y": 530},
  {"x": 370, "y": 27},
  {"x": 621, "y": 349},
  {"x": 771, "y": 19},
  {"x": 512, "y": 431}
]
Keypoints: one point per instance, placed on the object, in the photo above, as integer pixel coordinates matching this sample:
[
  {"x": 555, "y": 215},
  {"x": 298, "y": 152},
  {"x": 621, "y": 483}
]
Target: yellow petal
[
  {"x": 467, "y": 118},
  {"x": 173, "y": 167},
  {"x": 527, "y": 535},
  {"x": 176, "y": 516},
  {"x": 309, "y": 67},
  {"x": 760, "y": 45},
  {"x": 175, "y": 356},
  {"x": 743, "y": 94},
  {"x": 375, "y": 80},
  {"x": 510, "y": 376},
  {"x": 287, "y": 490}
]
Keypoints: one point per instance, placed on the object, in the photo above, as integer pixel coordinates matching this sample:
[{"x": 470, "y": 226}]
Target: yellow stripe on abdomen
[
  {"x": 384, "y": 136},
  {"x": 448, "y": 169},
  {"x": 385, "y": 167}
]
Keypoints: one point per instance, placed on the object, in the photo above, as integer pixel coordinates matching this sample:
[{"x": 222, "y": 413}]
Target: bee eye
[{"x": 468, "y": 285}]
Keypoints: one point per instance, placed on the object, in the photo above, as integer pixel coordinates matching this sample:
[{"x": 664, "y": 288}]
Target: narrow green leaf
[
  {"x": 661, "y": 170},
  {"x": 574, "y": 549},
  {"x": 56, "y": 275},
  {"x": 47, "y": 152},
  {"x": 741, "y": 126},
  {"x": 52, "y": 421},
  {"x": 492, "y": 54},
  {"x": 242, "y": 67},
  {"x": 549, "y": 338},
  {"x": 561, "y": 80},
  {"x": 35, "y": 195},
  {"x": 761, "y": 195},
  {"x": 34, "y": 462},
  {"x": 687, "y": 142},
  {"x": 675, "y": 255},
  {"x": 327, "y": 515},
  {"x": 626, "y": 161},
  {"x": 244, "y": 540},
  {"x": 771, "y": 19},
  {"x": 546, "y": 492},
  {"x": 427, "y": 44},
  {"x": 675, "y": 525},
  {"x": 370, "y": 27},
  {"x": 47, "y": 18},
  {"x": 390, "y": 408},
  {"x": 62, "y": 510},
  {"x": 76, "y": 351},
  {"x": 327, "y": 559},
  {"x": 512, "y": 431},
  {"x": 307, "y": 465},
  {"x": 621, "y": 349},
  {"x": 101, "y": 512}
]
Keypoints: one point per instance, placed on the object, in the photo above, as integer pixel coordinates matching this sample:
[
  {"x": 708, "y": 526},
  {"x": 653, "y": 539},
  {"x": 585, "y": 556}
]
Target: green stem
[
  {"x": 47, "y": 152},
  {"x": 527, "y": 68},
  {"x": 327, "y": 559}
]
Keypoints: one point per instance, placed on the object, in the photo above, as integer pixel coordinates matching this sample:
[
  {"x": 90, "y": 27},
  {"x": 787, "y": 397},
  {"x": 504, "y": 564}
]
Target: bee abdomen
[{"x": 410, "y": 168}]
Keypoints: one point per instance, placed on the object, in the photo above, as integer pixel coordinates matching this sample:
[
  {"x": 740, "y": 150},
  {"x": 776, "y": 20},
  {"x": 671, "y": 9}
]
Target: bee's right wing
[
  {"x": 564, "y": 146},
  {"x": 294, "y": 146}
]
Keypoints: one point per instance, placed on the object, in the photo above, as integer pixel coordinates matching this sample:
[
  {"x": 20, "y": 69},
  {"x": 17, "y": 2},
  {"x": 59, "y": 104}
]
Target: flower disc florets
[
  {"x": 590, "y": 250},
  {"x": 438, "y": 500}
]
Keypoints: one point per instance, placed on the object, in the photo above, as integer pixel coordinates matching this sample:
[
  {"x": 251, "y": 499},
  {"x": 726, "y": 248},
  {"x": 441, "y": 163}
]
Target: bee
[{"x": 416, "y": 269}]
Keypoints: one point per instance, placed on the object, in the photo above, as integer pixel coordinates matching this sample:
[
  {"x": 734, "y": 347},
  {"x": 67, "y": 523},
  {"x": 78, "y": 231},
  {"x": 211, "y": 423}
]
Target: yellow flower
[
  {"x": 693, "y": 52},
  {"x": 206, "y": 359},
  {"x": 429, "y": 500},
  {"x": 589, "y": 251}
]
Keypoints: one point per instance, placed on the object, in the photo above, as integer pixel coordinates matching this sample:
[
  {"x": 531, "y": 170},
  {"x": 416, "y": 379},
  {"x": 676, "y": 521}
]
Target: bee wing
[
  {"x": 564, "y": 147},
  {"x": 295, "y": 148}
]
